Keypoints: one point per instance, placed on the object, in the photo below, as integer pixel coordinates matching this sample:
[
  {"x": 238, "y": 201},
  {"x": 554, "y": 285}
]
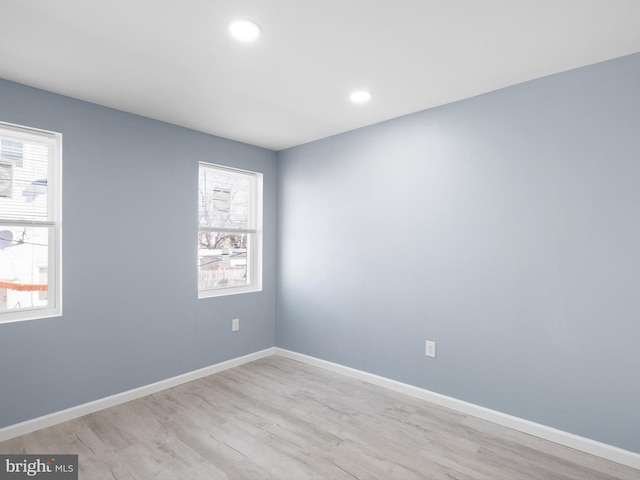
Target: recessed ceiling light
[
  {"x": 361, "y": 96},
  {"x": 244, "y": 30}
]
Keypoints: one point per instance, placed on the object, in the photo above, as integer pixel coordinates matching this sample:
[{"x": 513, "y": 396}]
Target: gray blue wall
[
  {"x": 505, "y": 227},
  {"x": 131, "y": 313}
]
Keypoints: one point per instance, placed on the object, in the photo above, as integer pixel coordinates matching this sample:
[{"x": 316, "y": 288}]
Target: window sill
[{"x": 223, "y": 292}]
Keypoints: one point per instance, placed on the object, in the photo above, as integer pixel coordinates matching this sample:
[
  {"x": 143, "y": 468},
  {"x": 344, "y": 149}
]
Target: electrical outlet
[
  {"x": 431, "y": 349},
  {"x": 235, "y": 324}
]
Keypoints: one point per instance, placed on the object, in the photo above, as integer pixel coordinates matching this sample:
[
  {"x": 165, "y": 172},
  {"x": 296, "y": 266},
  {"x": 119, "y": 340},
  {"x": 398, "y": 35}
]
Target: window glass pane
[
  {"x": 24, "y": 256},
  {"x": 11, "y": 151},
  {"x": 24, "y": 180},
  {"x": 224, "y": 199},
  {"x": 229, "y": 237},
  {"x": 222, "y": 259},
  {"x": 29, "y": 233}
]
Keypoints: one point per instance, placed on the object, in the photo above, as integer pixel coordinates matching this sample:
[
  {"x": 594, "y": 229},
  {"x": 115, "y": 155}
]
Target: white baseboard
[
  {"x": 29, "y": 426},
  {"x": 608, "y": 452}
]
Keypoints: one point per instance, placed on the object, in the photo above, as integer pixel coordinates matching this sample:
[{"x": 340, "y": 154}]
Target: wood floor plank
[{"x": 279, "y": 419}]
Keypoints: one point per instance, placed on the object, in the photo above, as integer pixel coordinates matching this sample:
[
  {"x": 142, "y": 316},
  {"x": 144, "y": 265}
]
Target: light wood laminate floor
[{"x": 276, "y": 418}]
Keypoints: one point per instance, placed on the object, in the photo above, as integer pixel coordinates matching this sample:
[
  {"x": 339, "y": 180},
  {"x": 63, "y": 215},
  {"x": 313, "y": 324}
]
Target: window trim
[
  {"x": 254, "y": 260},
  {"x": 54, "y": 223}
]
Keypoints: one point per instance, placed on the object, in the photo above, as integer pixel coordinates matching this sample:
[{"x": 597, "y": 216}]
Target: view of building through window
[
  {"x": 228, "y": 236},
  {"x": 28, "y": 226}
]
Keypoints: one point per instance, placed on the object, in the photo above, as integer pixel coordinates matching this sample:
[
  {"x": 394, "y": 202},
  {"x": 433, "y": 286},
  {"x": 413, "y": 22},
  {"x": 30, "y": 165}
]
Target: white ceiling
[{"x": 173, "y": 60}]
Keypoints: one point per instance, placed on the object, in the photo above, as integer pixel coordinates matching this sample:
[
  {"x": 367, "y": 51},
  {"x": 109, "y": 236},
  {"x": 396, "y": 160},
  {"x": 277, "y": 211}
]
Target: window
[
  {"x": 230, "y": 231},
  {"x": 30, "y": 167}
]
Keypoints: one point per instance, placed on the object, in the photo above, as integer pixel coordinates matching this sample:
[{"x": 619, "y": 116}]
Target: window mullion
[
  {"x": 229, "y": 230},
  {"x": 27, "y": 223}
]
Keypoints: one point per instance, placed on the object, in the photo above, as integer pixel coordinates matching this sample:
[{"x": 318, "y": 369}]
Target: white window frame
[
  {"x": 254, "y": 253},
  {"x": 53, "y": 223}
]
